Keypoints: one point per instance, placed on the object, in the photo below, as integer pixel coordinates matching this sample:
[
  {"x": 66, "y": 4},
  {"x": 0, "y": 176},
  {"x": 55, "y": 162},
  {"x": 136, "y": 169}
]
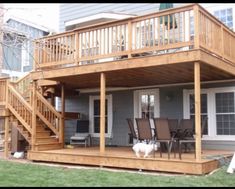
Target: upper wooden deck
[{"x": 138, "y": 43}]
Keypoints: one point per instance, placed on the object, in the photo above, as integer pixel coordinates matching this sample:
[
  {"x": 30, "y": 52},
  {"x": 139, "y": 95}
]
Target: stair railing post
[
  {"x": 34, "y": 108},
  {"x": 61, "y": 128}
]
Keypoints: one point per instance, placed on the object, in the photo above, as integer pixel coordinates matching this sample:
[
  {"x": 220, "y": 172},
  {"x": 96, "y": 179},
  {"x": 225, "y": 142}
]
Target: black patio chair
[
  {"x": 144, "y": 130},
  {"x": 132, "y": 133},
  {"x": 191, "y": 140},
  {"x": 163, "y": 135},
  {"x": 174, "y": 126}
]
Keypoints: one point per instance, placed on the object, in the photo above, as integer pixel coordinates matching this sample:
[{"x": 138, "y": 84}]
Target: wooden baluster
[
  {"x": 125, "y": 37},
  {"x": 196, "y": 26},
  {"x": 153, "y": 30},
  {"x": 158, "y": 31},
  {"x": 183, "y": 28},
  {"x": 179, "y": 27},
  {"x": 168, "y": 29}
]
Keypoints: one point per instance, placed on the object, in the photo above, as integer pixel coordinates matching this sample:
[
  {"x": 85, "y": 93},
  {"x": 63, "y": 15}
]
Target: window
[
  {"x": 225, "y": 16},
  {"x": 203, "y": 109},
  {"x": 94, "y": 116},
  {"x": 146, "y": 103},
  {"x": 219, "y": 106},
  {"x": 225, "y": 113}
]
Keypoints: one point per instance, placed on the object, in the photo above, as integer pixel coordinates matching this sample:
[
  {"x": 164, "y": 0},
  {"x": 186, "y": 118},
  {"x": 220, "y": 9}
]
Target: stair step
[
  {"x": 45, "y": 140},
  {"x": 48, "y": 146},
  {"x": 41, "y": 129},
  {"x": 25, "y": 132},
  {"x": 45, "y": 136},
  {"x": 42, "y": 134}
]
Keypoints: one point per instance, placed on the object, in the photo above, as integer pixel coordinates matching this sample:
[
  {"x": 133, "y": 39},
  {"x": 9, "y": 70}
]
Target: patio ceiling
[{"x": 155, "y": 75}]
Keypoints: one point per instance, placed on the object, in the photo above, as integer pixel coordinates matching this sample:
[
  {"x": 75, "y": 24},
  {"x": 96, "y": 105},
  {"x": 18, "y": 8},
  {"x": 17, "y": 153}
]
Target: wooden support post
[
  {"x": 6, "y": 143},
  {"x": 196, "y": 26},
  {"x": 102, "y": 113},
  {"x": 62, "y": 114},
  {"x": 197, "y": 95},
  {"x": 34, "y": 118},
  {"x": 53, "y": 99}
]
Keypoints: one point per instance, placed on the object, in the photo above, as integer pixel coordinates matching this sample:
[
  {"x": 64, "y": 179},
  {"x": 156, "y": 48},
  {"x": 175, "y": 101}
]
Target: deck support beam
[
  {"x": 62, "y": 114},
  {"x": 102, "y": 112},
  {"x": 6, "y": 143},
  {"x": 34, "y": 118},
  {"x": 197, "y": 98}
]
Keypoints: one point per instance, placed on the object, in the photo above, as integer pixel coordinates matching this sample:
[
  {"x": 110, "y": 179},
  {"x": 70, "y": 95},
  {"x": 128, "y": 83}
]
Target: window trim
[
  {"x": 137, "y": 108},
  {"x": 109, "y": 111},
  {"x": 211, "y": 104}
]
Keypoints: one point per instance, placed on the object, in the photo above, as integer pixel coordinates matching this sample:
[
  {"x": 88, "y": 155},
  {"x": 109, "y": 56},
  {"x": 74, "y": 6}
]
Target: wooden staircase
[
  {"x": 47, "y": 132},
  {"x": 45, "y": 140}
]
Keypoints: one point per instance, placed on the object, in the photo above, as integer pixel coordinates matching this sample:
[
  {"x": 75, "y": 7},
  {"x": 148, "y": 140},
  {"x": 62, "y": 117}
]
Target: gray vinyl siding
[
  {"x": 74, "y": 104},
  {"x": 218, "y": 145},
  {"x": 172, "y": 108},
  {"x": 79, "y": 10},
  {"x": 123, "y": 106}
]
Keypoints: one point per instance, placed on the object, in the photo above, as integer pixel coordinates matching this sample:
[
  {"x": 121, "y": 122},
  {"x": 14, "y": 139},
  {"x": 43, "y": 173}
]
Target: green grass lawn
[{"x": 21, "y": 174}]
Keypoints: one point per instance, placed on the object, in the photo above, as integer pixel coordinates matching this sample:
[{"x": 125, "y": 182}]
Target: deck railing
[
  {"x": 188, "y": 27},
  {"x": 22, "y": 85},
  {"x": 20, "y": 108}
]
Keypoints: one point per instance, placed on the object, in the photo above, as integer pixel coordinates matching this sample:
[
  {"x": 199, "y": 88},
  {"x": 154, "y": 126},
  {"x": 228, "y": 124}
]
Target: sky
[{"x": 44, "y": 14}]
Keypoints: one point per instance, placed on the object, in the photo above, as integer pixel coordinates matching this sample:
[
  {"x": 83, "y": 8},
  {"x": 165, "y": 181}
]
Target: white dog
[{"x": 144, "y": 148}]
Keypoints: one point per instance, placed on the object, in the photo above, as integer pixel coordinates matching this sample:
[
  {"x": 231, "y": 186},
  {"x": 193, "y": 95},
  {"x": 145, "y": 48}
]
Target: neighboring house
[
  {"x": 225, "y": 12},
  {"x": 18, "y": 45},
  {"x": 1, "y": 23},
  {"x": 220, "y": 133},
  {"x": 91, "y": 13}
]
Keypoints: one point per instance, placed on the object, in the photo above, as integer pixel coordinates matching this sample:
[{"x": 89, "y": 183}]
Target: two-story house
[
  {"x": 119, "y": 61},
  {"x": 220, "y": 131}
]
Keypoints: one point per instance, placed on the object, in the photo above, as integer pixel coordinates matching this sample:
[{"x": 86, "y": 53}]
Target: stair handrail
[
  {"x": 55, "y": 123},
  {"x": 22, "y": 84},
  {"x": 12, "y": 105}
]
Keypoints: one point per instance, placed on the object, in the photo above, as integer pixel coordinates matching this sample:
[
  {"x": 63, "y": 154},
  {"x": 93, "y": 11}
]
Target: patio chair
[
  {"x": 144, "y": 130},
  {"x": 82, "y": 135},
  {"x": 188, "y": 140},
  {"x": 163, "y": 135},
  {"x": 132, "y": 133},
  {"x": 173, "y": 125},
  {"x": 186, "y": 129}
]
